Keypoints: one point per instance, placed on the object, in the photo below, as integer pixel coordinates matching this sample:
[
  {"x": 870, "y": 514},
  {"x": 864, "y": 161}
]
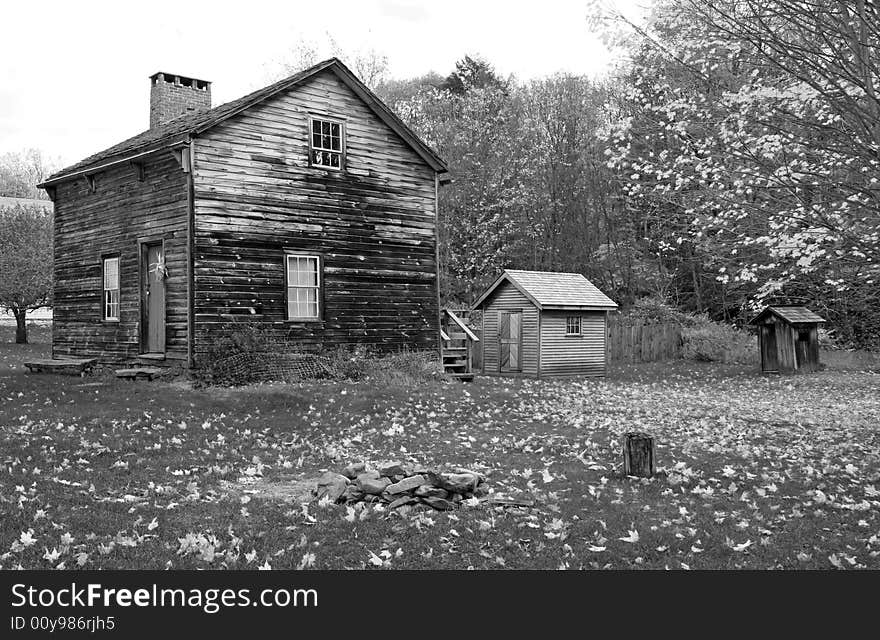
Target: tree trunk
[
  {"x": 638, "y": 455},
  {"x": 20, "y": 326}
]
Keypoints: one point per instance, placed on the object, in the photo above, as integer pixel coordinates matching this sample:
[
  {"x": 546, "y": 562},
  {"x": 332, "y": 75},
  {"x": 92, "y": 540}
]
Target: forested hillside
[{"x": 731, "y": 160}]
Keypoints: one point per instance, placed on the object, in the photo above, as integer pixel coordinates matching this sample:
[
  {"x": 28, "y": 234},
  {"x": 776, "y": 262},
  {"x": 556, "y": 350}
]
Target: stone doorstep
[{"x": 139, "y": 372}]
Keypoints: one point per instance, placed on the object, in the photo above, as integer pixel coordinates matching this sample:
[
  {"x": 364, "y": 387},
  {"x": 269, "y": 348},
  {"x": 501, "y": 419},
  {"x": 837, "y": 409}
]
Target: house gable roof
[
  {"x": 793, "y": 315},
  {"x": 178, "y": 131},
  {"x": 550, "y": 290}
]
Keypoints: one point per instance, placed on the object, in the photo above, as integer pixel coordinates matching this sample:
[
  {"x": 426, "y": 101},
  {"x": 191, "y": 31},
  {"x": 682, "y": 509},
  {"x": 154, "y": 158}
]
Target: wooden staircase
[{"x": 457, "y": 345}]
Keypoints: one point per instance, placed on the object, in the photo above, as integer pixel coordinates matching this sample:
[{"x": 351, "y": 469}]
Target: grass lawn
[{"x": 755, "y": 471}]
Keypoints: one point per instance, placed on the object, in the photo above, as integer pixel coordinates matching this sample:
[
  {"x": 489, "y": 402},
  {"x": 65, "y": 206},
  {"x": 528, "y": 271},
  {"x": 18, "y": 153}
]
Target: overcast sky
[{"x": 74, "y": 75}]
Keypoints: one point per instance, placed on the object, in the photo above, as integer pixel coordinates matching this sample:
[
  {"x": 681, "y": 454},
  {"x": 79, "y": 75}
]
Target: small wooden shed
[
  {"x": 788, "y": 338},
  {"x": 540, "y": 323}
]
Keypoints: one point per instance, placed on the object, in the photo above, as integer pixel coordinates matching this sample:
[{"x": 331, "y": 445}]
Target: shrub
[
  {"x": 712, "y": 341},
  {"x": 656, "y": 309},
  {"x": 249, "y": 352}
]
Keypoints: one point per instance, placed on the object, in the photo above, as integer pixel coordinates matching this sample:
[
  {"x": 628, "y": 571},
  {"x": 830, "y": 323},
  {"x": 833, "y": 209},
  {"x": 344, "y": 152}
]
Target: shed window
[
  {"x": 111, "y": 288},
  {"x": 303, "y": 287},
  {"x": 326, "y": 144},
  {"x": 573, "y": 326}
]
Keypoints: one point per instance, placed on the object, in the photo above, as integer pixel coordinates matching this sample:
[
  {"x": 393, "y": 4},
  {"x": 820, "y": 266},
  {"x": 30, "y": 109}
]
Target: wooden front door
[
  {"x": 510, "y": 340},
  {"x": 153, "y": 274}
]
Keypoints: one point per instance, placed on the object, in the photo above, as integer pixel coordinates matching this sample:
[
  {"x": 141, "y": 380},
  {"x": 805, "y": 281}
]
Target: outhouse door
[
  {"x": 769, "y": 358},
  {"x": 510, "y": 340},
  {"x": 153, "y": 298}
]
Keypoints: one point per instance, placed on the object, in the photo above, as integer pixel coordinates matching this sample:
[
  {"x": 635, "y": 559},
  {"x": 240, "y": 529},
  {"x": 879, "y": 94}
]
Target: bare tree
[
  {"x": 370, "y": 65},
  {"x": 20, "y": 172}
]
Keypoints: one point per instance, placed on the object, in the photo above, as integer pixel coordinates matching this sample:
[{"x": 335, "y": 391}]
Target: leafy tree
[
  {"x": 753, "y": 133},
  {"x": 25, "y": 262},
  {"x": 472, "y": 73}
]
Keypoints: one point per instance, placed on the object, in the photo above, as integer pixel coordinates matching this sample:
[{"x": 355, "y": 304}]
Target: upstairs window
[
  {"x": 303, "y": 287},
  {"x": 326, "y": 144},
  {"x": 111, "y": 288},
  {"x": 573, "y": 326}
]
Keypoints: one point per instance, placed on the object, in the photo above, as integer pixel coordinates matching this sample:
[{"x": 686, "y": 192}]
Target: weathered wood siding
[
  {"x": 121, "y": 212},
  {"x": 582, "y": 355},
  {"x": 373, "y": 224},
  {"x": 507, "y": 297}
]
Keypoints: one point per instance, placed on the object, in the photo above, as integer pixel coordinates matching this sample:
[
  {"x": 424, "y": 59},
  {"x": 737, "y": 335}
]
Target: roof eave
[
  {"x": 506, "y": 276},
  {"x": 128, "y": 157},
  {"x": 581, "y": 307}
]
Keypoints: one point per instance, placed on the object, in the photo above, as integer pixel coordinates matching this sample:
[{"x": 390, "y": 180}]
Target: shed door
[
  {"x": 510, "y": 340},
  {"x": 769, "y": 360},
  {"x": 153, "y": 328}
]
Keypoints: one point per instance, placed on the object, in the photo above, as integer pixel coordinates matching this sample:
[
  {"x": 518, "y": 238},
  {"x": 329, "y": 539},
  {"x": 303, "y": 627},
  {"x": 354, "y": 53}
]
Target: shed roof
[
  {"x": 177, "y": 131},
  {"x": 793, "y": 315},
  {"x": 553, "y": 290}
]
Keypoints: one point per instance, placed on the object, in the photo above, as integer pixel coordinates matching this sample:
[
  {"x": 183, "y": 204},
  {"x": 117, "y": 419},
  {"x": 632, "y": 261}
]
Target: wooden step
[
  {"x": 464, "y": 377},
  {"x": 150, "y": 357},
  {"x": 65, "y": 366},
  {"x": 139, "y": 373}
]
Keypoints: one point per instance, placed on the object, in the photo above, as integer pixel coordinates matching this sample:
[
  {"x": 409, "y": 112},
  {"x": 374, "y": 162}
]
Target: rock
[
  {"x": 402, "y": 500},
  {"x": 407, "y": 484},
  {"x": 481, "y": 476},
  {"x": 353, "y": 470},
  {"x": 481, "y": 491},
  {"x": 428, "y": 491},
  {"x": 391, "y": 470},
  {"x": 332, "y": 485},
  {"x": 353, "y": 494},
  {"x": 456, "y": 498},
  {"x": 405, "y": 510},
  {"x": 439, "y": 503},
  {"x": 371, "y": 485},
  {"x": 455, "y": 482}
]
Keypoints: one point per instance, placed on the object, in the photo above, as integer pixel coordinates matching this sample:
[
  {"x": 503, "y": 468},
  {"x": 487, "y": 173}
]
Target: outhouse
[
  {"x": 540, "y": 323},
  {"x": 788, "y": 338}
]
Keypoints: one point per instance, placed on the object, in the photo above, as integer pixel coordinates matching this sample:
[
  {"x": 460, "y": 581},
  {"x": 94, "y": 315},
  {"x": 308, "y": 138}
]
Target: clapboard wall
[
  {"x": 373, "y": 224},
  {"x": 582, "y": 355},
  {"x": 112, "y": 219},
  {"x": 508, "y": 298}
]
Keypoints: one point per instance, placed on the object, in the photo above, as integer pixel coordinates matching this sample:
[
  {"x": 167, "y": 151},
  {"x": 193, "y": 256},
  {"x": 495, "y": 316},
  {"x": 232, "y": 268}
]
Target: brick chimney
[{"x": 172, "y": 96}]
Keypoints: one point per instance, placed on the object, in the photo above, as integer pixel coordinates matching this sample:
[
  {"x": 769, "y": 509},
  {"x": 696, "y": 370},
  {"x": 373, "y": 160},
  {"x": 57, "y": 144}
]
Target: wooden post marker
[{"x": 638, "y": 455}]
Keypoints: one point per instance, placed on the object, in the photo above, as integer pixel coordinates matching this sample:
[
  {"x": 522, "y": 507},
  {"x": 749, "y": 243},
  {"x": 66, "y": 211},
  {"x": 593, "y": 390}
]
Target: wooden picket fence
[{"x": 638, "y": 341}]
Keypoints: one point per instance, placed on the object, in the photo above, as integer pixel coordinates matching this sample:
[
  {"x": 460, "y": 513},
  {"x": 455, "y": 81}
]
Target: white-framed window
[
  {"x": 303, "y": 287},
  {"x": 110, "y": 295},
  {"x": 573, "y": 325},
  {"x": 326, "y": 143}
]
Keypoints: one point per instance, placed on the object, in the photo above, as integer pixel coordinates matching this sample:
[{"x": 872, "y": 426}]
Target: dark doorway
[{"x": 769, "y": 358}]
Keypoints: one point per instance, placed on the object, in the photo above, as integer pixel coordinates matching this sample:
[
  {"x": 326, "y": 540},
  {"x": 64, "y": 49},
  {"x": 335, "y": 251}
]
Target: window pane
[
  {"x": 111, "y": 273},
  {"x": 334, "y": 160}
]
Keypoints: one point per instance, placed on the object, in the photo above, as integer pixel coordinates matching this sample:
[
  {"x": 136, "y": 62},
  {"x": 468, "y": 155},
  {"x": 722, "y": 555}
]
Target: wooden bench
[{"x": 65, "y": 366}]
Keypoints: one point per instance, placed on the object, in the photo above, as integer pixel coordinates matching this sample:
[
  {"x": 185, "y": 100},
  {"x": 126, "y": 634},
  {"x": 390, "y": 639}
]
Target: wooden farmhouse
[
  {"x": 788, "y": 338},
  {"x": 542, "y": 324},
  {"x": 307, "y": 206}
]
